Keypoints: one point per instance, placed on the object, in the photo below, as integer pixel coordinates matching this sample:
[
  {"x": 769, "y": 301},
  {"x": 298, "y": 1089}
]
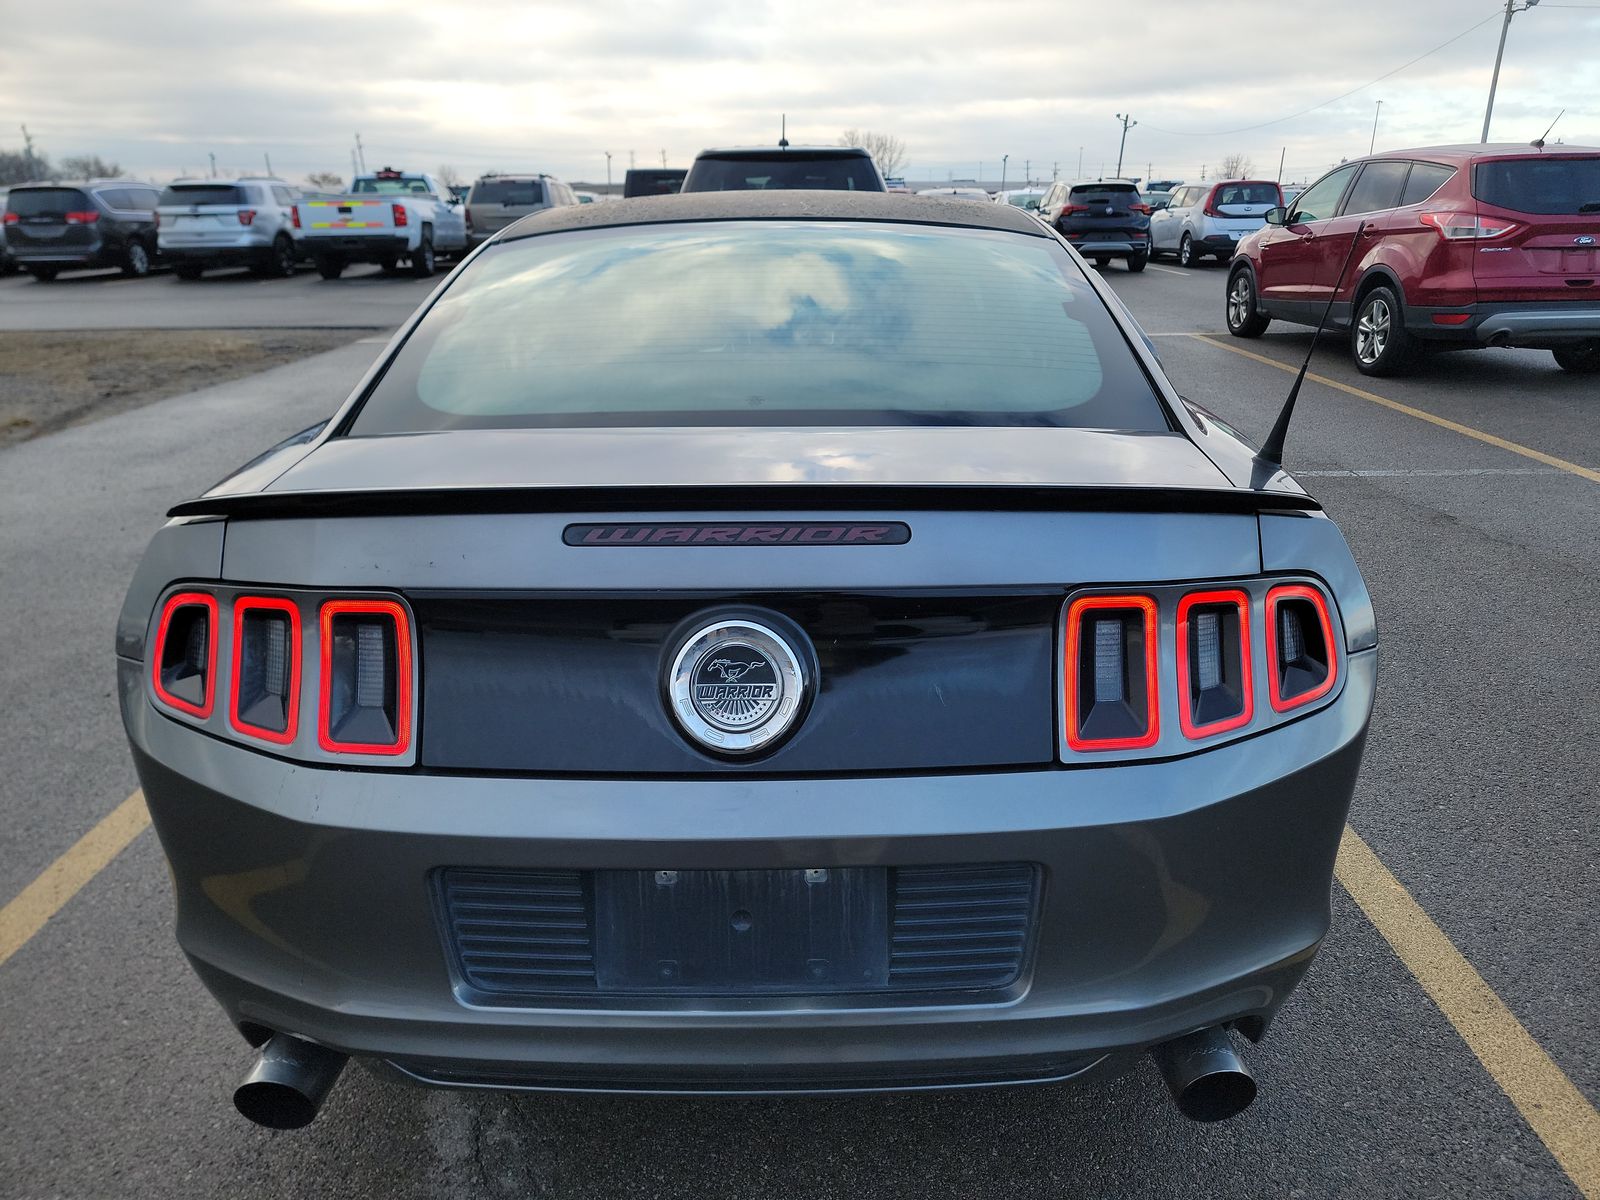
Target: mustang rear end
[{"x": 737, "y": 643}]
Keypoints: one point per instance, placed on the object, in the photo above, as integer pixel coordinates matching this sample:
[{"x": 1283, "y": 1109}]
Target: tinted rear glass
[
  {"x": 652, "y": 183},
  {"x": 1540, "y": 185},
  {"x": 507, "y": 191},
  {"x": 1230, "y": 195},
  {"x": 202, "y": 193},
  {"x": 1425, "y": 179},
  {"x": 47, "y": 202},
  {"x": 392, "y": 187},
  {"x": 829, "y": 174},
  {"x": 766, "y": 323}
]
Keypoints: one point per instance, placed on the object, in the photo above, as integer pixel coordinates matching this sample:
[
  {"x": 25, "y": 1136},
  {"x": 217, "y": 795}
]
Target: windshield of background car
[
  {"x": 766, "y": 323},
  {"x": 508, "y": 191},
  {"x": 1540, "y": 185},
  {"x": 47, "y": 202},
  {"x": 829, "y": 174},
  {"x": 391, "y": 187},
  {"x": 201, "y": 193}
]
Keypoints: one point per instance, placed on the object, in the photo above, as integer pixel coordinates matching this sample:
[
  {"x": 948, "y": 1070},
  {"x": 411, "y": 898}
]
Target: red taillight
[
  {"x": 184, "y": 658},
  {"x": 1214, "y": 686},
  {"x": 246, "y": 215},
  {"x": 1068, "y": 209},
  {"x": 83, "y": 218},
  {"x": 12, "y": 218},
  {"x": 1302, "y": 660},
  {"x": 1451, "y": 318},
  {"x": 264, "y": 693},
  {"x": 1109, "y": 673},
  {"x": 401, "y": 216},
  {"x": 1140, "y": 208},
  {"x": 365, "y": 701},
  {"x": 1467, "y": 227},
  {"x": 294, "y": 216}
]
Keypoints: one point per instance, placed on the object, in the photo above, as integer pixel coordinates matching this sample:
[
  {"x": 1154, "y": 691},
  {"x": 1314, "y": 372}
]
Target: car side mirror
[
  {"x": 1160, "y": 206},
  {"x": 1277, "y": 216}
]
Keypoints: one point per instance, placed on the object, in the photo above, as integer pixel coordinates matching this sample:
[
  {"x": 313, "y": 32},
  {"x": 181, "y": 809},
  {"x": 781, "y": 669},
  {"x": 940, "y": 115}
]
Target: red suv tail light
[
  {"x": 246, "y": 216},
  {"x": 402, "y": 217},
  {"x": 1110, "y": 673},
  {"x": 1302, "y": 660},
  {"x": 83, "y": 218},
  {"x": 184, "y": 659},
  {"x": 265, "y": 688},
  {"x": 13, "y": 219},
  {"x": 1214, "y": 685},
  {"x": 1462, "y": 227},
  {"x": 294, "y": 216},
  {"x": 365, "y": 702}
]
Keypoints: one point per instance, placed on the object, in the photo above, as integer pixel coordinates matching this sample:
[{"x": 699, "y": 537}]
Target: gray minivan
[
  {"x": 52, "y": 227},
  {"x": 496, "y": 201}
]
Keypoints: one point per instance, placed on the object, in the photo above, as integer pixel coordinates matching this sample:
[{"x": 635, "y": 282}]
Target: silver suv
[
  {"x": 229, "y": 223},
  {"x": 496, "y": 201},
  {"x": 1210, "y": 218}
]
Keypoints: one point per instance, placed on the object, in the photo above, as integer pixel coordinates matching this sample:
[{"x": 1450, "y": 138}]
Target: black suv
[
  {"x": 1103, "y": 220},
  {"x": 747, "y": 168},
  {"x": 102, "y": 223}
]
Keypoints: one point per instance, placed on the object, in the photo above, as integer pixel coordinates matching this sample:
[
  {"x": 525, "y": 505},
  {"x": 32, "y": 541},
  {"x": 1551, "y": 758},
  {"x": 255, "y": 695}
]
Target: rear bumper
[
  {"x": 244, "y": 250},
  {"x": 1175, "y": 895},
  {"x": 1092, "y": 244},
  {"x": 1532, "y": 324},
  {"x": 97, "y": 255},
  {"x": 354, "y": 248}
]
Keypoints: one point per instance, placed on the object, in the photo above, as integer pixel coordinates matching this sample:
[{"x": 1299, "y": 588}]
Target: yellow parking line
[
  {"x": 1554, "y": 1109},
  {"x": 35, "y": 904},
  {"x": 1550, "y": 460}
]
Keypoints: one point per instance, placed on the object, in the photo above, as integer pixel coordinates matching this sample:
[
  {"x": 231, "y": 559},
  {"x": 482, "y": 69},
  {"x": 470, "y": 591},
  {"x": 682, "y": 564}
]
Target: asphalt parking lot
[{"x": 1470, "y": 494}]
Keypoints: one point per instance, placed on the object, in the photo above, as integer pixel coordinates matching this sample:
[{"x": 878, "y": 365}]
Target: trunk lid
[
  {"x": 496, "y": 203},
  {"x": 1554, "y": 252},
  {"x": 50, "y": 219},
  {"x": 202, "y": 212}
]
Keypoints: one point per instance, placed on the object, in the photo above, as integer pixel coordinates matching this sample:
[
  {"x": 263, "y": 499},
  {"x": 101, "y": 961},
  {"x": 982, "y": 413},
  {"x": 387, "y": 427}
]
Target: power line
[{"x": 1494, "y": 16}]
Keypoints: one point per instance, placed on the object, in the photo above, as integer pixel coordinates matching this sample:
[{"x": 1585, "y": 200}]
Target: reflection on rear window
[
  {"x": 1540, "y": 185},
  {"x": 201, "y": 193},
  {"x": 47, "y": 202},
  {"x": 507, "y": 191},
  {"x": 766, "y": 323},
  {"x": 1248, "y": 193}
]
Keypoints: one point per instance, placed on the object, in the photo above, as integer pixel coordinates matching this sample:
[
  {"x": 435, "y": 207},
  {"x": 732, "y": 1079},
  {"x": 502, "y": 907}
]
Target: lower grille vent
[
  {"x": 960, "y": 927},
  {"x": 522, "y": 932}
]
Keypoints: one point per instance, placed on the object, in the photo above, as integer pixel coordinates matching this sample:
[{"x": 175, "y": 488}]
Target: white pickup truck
[{"x": 384, "y": 217}]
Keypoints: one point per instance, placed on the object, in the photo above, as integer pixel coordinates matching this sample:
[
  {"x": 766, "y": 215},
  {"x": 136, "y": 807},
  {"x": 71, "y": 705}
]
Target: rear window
[
  {"x": 395, "y": 186},
  {"x": 1539, "y": 185},
  {"x": 507, "y": 191},
  {"x": 766, "y": 323},
  {"x": 1236, "y": 195},
  {"x": 47, "y": 202},
  {"x": 853, "y": 174},
  {"x": 202, "y": 193},
  {"x": 1104, "y": 189},
  {"x": 652, "y": 183}
]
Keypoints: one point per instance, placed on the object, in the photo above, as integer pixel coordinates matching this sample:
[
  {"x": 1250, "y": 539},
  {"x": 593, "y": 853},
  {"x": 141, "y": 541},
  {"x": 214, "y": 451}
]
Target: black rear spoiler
[{"x": 786, "y": 497}]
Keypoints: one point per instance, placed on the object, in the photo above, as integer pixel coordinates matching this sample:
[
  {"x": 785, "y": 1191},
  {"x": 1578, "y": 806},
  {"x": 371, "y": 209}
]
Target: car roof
[
  {"x": 778, "y": 151},
  {"x": 1474, "y": 150},
  {"x": 514, "y": 175},
  {"x": 81, "y": 183},
  {"x": 785, "y": 205}
]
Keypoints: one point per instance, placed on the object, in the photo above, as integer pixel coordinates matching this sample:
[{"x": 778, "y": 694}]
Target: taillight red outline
[
  {"x": 241, "y": 606},
  {"x": 174, "y": 603},
  {"x": 1075, "y": 611},
  {"x": 402, "y": 693},
  {"x": 1298, "y": 591},
  {"x": 1240, "y": 600}
]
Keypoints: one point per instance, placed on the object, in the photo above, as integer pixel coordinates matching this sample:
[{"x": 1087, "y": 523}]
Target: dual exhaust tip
[{"x": 292, "y": 1077}]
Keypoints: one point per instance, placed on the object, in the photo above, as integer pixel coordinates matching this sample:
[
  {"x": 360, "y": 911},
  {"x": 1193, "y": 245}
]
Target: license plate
[{"x": 725, "y": 932}]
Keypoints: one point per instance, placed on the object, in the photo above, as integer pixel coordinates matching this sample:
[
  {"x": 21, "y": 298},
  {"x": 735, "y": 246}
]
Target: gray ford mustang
[{"x": 753, "y": 642}]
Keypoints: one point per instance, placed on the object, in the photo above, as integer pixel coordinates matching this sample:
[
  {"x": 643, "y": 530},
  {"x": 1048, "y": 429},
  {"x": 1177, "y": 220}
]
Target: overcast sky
[{"x": 486, "y": 84}]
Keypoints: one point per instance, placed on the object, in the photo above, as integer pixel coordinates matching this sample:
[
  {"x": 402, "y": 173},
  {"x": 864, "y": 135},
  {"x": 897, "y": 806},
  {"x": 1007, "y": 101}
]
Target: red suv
[{"x": 1463, "y": 246}]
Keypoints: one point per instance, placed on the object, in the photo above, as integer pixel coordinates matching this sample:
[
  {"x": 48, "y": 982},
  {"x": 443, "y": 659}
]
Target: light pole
[
  {"x": 608, "y": 172},
  {"x": 1004, "y": 159},
  {"x": 1494, "y": 80},
  {"x": 1374, "y": 140},
  {"x": 1127, "y": 124}
]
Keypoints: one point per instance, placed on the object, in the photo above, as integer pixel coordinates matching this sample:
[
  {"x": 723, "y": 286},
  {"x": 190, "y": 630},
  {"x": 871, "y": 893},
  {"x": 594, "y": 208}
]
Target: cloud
[{"x": 552, "y": 85}]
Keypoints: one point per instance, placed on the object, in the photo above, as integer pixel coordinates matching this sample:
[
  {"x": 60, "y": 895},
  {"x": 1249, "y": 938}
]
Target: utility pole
[
  {"x": 355, "y": 168},
  {"x": 1374, "y": 140},
  {"x": 213, "y": 159},
  {"x": 1027, "y": 169},
  {"x": 361, "y": 154},
  {"x": 663, "y": 159},
  {"x": 1127, "y": 124},
  {"x": 1005, "y": 159},
  {"x": 1055, "y": 172},
  {"x": 1281, "y": 154},
  {"x": 1494, "y": 80},
  {"x": 267, "y": 158},
  {"x": 1080, "y": 162},
  {"x": 27, "y": 151},
  {"x": 608, "y": 172}
]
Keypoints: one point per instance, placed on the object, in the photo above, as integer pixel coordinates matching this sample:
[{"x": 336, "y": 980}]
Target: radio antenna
[
  {"x": 783, "y": 131},
  {"x": 1271, "y": 452},
  {"x": 1538, "y": 142}
]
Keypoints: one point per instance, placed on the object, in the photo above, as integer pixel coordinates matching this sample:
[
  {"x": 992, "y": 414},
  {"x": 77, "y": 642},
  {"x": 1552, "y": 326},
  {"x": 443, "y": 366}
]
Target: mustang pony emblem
[{"x": 729, "y": 670}]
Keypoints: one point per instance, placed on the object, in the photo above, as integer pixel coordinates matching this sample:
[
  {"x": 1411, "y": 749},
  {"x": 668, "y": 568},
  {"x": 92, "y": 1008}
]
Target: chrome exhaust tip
[
  {"x": 290, "y": 1080},
  {"x": 1208, "y": 1080}
]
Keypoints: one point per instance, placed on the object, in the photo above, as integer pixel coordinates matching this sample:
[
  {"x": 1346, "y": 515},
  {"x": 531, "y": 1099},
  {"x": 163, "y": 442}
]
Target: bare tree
[
  {"x": 888, "y": 151},
  {"x": 326, "y": 181},
  {"x": 23, "y": 168},
  {"x": 1236, "y": 166},
  {"x": 88, "y": 166},
  {"x": 449, "y": 176}
]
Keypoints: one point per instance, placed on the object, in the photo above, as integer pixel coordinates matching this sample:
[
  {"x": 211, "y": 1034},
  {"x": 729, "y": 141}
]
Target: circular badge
[{"x": 735, "y": 685}]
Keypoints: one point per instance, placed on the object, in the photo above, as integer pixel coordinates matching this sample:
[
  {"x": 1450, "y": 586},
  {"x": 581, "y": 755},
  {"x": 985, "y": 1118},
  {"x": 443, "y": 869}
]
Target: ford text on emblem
[
  {"x": 736, "y": 685},
  {"x": 1583, "y": 239}
]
